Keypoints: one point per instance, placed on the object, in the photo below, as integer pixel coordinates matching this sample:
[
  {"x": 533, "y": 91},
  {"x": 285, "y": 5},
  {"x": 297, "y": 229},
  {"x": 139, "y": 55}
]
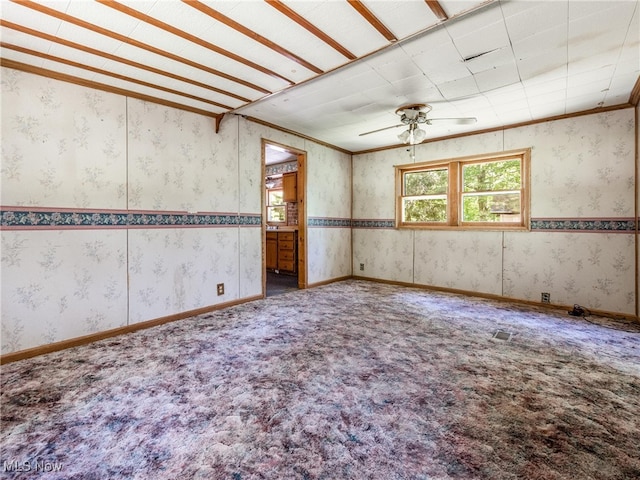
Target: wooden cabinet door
[
  {"x": 289, "y": 187},
  {"x": 272, "y": 251}
]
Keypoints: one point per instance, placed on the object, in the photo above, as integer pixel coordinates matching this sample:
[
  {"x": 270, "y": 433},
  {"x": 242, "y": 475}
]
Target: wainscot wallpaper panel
[
  {"x": 58, "y": 285},
  {"x": 385, "y": 253},
  {"x": 471, "y": 261},
  {"x": 177, "y": 270},
  {"x": 591, "y": 269},
  {"x": 329, "y": 253}
]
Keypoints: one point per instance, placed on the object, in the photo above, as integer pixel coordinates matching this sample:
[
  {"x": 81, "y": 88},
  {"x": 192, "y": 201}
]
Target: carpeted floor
[{"x": 352, "y": 380}]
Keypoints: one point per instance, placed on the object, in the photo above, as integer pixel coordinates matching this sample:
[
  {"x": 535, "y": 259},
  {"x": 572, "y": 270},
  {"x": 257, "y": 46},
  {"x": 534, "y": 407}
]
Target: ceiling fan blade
[
  {"x": 381, "y": 129},
  {"x": 454, "y": 121}
]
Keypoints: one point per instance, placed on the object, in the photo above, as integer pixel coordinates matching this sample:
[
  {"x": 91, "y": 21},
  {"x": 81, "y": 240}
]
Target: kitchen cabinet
[
  {"x": 290, "y": 187},
  {"x": 287, "y": 261},
  {"x": 281, "y": 251},
  {"x": 272, "y": 251}
]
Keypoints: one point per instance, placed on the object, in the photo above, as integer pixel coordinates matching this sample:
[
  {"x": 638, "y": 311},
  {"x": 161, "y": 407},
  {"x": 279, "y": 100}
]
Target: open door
[{"x": 284, "y": 218}]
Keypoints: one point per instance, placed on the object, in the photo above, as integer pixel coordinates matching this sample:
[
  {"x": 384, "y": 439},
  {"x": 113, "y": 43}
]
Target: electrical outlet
[
  {"x": 362, "y": 267},
  {"x": 545, "y": 297},
  {"x": 220, "y": 287}
]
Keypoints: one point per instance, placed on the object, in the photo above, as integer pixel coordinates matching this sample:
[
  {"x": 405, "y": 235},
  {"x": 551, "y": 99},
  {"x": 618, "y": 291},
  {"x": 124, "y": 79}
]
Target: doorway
[{"x": 284, "y": 218}]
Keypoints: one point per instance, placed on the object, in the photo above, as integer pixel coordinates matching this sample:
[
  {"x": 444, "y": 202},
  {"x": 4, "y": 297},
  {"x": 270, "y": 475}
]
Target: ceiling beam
[
  {"x": 118, "y": 59},
  {"x": 122, "y": 38},
  {"x": 132, "y": 12},
  {"x": 100, "y": 71},
  {"x": 207, "y": 10},
  {"x": 373, "y": 20},
  {"x": 437, "y": 10},
  {"x": 304, "y": 23}
]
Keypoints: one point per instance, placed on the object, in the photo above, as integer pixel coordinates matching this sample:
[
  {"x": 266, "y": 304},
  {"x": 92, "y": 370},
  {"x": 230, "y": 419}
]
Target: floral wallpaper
[
  {"x": 581, "y": 247},
  {"x": 328, "y": 213},
  {"x": 58, "y": 285},
  {"x": 62, "y": 145},
  {"x": 117, "y": 211}
]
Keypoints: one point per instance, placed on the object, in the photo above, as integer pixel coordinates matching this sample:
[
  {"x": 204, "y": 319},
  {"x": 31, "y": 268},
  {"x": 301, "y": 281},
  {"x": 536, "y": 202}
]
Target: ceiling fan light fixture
[
  {"x": 404, "y": 136},
  {"x": 413, "y": 135},
  {"x": 418, "y": 136}
]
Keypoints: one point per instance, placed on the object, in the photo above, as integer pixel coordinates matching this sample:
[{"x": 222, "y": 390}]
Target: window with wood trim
[
  {"x": 484, "y": 191},
  {"x": 276, "y": 208}
]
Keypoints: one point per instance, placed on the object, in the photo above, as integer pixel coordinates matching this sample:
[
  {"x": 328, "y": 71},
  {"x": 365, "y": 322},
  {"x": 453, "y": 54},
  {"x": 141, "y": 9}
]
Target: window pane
[
  {"x": 425, "y": 210},
  {"x": 276, "y": 214},
  {"x": 504, "y": 207},
  {"x": 427, "y": 182},
  {"x": 275, "y": 197},
  {"x": 488, "y": 176}
]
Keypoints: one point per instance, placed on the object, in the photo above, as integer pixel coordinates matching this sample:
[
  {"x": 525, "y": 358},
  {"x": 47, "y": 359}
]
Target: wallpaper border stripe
[
  {"x": 577, "y": 225},
  {"x": 25, "y": 218},
  {"x": 29, "y": 218}
]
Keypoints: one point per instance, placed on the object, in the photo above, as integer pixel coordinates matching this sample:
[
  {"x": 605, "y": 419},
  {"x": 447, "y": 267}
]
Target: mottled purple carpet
[{"x": 353, "y": 380}]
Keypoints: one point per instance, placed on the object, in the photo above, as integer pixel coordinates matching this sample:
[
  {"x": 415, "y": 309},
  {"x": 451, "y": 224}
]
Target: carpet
[{"x": 352, "y": 380}]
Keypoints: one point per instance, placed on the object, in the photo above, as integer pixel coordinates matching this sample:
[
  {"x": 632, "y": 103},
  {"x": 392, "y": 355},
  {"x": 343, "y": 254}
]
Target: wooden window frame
[
  {"x": 269, "y": 206},
  {"x": 454, "y": 192}
]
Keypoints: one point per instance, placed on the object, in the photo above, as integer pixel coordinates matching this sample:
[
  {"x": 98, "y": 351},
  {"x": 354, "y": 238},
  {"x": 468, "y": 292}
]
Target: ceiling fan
[{"x": 415, "y": 114}]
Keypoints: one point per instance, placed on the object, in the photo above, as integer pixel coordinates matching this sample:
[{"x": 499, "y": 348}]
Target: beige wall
[
  {"x": 581, "y": 168},
  {"x": 175, "y": 208}
]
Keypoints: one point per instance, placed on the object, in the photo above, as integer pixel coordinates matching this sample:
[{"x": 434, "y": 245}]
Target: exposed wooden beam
[
  {"x": 304, "y": 23},
  {"x": 207, "y": 10},
  {"x": 132, "y": 12},
  {"x": 4, "y": 62},
  {"x": 373, "y": 20},
  {"x": 122, "y": 38},
  {"x": 437, "y": 10},
  {"x": 111, "y": 74},
  {"x": 115, "y": 58}
]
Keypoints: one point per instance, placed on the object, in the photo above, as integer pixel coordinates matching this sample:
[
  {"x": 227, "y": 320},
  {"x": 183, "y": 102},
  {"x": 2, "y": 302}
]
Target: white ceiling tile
[
  {"x": 543, "y": 68},
  {"x": 524, "y": 19},
  {"x": 403, "y": 18},
  {"x": 454, "y": 8},
  {"x": 551, "y": 40},
  {"x": 459, "y": 88},
  {"x": 497, "y": 77}
]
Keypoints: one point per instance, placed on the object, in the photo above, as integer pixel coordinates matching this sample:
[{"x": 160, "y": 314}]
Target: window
[
  {"x": 276, "y": 208},
  {"x": 487, "y": 191}
]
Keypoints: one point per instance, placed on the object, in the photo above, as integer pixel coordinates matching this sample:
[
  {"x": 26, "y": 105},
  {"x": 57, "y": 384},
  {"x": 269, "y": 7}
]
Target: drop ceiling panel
[
  {"x": 523, "y": 21},
  {"x": 405, "y": 18}
]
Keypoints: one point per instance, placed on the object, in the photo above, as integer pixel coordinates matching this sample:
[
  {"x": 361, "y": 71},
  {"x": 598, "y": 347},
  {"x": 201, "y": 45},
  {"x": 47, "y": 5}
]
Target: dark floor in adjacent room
[{"x": 279, "y": 283}]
